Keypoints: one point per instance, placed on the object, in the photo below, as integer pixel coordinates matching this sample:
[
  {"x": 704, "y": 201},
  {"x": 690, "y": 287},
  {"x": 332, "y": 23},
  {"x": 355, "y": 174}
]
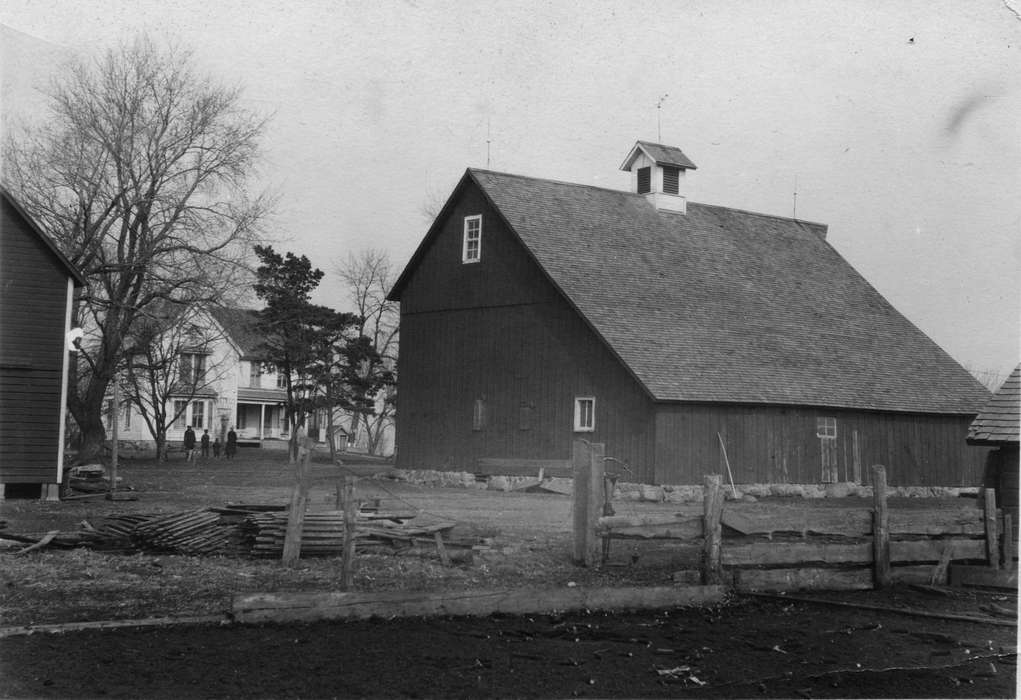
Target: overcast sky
[{"x": 898, "y": 122}]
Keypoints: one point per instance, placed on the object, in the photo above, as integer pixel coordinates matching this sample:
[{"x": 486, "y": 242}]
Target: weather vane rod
[{"x": 659, "y": 122}]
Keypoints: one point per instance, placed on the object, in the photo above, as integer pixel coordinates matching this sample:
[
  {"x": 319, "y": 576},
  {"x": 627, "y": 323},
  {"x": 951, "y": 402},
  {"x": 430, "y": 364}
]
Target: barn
[
  {"x": 35, "y": 315},
  {"x": 535, "y": 312},
  {"x": 998, "y": 425}
]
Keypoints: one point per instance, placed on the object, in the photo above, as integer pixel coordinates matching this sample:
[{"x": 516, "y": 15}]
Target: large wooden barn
[
  {"x": 537, "y": 311},
  {"x": 38, "y": 287}
]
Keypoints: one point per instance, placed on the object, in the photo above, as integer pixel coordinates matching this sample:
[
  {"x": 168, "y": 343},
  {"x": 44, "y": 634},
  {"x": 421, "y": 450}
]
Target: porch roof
[{"x": 251, "y": 395}]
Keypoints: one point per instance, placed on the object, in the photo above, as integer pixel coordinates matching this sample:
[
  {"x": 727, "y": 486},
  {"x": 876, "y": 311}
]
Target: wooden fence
[{"x": 755, "y": 546}]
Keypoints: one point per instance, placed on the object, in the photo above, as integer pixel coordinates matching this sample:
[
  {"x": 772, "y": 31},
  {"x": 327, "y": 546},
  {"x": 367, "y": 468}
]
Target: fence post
[
  {"x": 587, "y": 460},
  {"x": 299, "y": 502},
  {"x": 348, "y": 555},
  {"x": 992, "y": 532},
  {"x": 880, "y": 528},
  {"x": 712, "y": 568}
]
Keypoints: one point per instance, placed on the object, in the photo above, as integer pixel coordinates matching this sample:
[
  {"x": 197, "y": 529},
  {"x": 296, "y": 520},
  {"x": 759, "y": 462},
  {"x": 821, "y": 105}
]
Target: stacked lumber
[
  {"x": 192, "y": 532},
  {"x": 323, "y": 533}
]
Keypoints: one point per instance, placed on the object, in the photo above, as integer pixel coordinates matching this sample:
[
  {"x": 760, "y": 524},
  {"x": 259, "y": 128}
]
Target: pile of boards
[{"x": 257, "y": 530}]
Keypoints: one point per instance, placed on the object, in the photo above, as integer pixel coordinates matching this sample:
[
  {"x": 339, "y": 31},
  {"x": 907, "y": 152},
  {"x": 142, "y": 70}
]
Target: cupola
[{"x": 657, "y": 172}]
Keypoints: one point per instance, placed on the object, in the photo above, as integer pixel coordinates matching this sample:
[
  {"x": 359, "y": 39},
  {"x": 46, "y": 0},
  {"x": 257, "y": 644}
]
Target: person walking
[
  {"x": 189, "y": 445},
  {"x": 232, "y": 443},
  {"x": 205, "y": 444}
]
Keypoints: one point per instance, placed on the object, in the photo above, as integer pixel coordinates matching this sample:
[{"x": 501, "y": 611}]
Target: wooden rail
[{"x": 757, "y": 546}]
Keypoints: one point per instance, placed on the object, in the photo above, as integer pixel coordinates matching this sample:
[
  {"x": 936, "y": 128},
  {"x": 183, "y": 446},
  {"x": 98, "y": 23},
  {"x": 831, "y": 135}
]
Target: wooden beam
[
  {"x": 964, "y": 575},
  {"x": 712, "y": 568},
  {"x": 881, "y": 528},
  {"x": 992, "y": 533},
  {"x": 800, "y": 578},
  {"x": 650, "y": 527},
  {"x": 307, "y": 607},
  {"x": 347, "y": 561},
  {"x": 768, "y": 518},
  {"x": 773, "y": 553}
]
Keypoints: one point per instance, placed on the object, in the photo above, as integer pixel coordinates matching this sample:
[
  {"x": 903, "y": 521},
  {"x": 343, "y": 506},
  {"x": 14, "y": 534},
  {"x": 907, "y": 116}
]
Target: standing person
[
  {"x": 216, "y": 447},
  {"x": 205, "y": 445},
  {"x": 189, "y": 445},
  {"x": 232, "y": 443}
]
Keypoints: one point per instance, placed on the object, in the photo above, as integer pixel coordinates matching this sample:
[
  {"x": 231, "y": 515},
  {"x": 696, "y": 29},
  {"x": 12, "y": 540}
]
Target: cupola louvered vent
[
  {"x": 658, "y": 172},
  {"x": 644, "y": 180}
]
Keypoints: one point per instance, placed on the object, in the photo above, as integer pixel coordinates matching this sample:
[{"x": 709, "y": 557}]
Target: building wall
[
  {"x": 33, "y": 305},
  {"x": 781, "y": 445},
  {"x": 497, "y": 332}
]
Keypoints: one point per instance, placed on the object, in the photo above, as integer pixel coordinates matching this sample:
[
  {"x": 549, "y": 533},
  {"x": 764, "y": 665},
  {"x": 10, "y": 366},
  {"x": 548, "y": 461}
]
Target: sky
[{"x": 896, "y": 124}]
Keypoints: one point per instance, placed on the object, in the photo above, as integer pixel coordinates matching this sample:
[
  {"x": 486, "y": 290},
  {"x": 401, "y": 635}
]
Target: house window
[
  {"x": 584, "y": 414},
  {"x": 180, "y": 415},
  {"x": 255, "y": 375},
  {"x": 192, "y": 368},
  {"x": 644, "y": 180},
  {"x": 126, "y": 416},
  {"x": 471, "y": 248},
  {"x": 671, "y": 180},
  {"x": 198, "y": 415},
  {"x": 826, "y": 427},
  {"x": 479, "y": 415}
]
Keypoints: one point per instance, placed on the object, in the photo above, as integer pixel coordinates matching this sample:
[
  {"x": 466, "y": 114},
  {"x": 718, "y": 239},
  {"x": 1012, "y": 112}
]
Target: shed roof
[
  {"x": 998, "y": 421},
  {"x": 31, "y": 225},
  {"x": 723, "y": 305}
]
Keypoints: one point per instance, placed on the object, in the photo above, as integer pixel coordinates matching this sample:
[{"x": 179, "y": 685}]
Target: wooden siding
[
  {"x": 779, "y": 445},
  {"x": 499, "y": 332},
  {"x": 32, "y": 316}
]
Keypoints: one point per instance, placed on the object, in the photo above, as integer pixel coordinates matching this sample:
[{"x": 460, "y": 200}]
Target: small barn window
[
  {"x": 525, "y": 411},
  {"x": 471, "y": 248},
  {"x": 826, "y": 427},
  {"x": 584, "y": 414},
  {"x": 671, "y": 179},
  {"x": 479, "y": 415},
  {"x": 644, "y": 180}
]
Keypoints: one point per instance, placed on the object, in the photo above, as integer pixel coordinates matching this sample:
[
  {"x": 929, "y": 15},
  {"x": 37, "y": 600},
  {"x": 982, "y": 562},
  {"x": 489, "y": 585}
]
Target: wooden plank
[
  {"x": 961, "y": 520},
  {"x": 881, "y": 528},
  {"x": 347, "y": 562},
  {"x": 802, "y": 578},
  {"x": 648, "y": 527},
  {"x": 305, "y": 607},
  {"x": 768, "y": 518},
  {"x": 992, "y": 534},
  {"x": 493, "y": 466},
  {"x": 805, "y": 552},
  {"x": 712, "y": 573},
  {"x": 579, "y": 502},
  {"x": 933, "y": 550},
  {"x": 970, "y": 575}
]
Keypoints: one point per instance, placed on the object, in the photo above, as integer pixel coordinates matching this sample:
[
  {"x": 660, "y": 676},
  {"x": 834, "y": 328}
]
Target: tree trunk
[
  {"x": 330, "y": 435},
  {"x": 88, "y": 414},
  {"x": 161, "y": 447}
]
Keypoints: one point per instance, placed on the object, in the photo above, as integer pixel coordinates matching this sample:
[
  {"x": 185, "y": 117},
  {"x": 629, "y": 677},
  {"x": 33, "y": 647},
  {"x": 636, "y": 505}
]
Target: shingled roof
[
  {"x": 723, "y": 305},
  {"x": 660, "y": 154},
  {"x": 239, "y": 325},
  {"x": 999, "y": 420}
]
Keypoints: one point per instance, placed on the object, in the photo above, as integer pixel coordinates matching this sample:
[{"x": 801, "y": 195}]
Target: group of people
[{"x": 229, "y": 449}]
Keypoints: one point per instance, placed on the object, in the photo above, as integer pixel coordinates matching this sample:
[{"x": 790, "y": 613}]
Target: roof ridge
[{"x": 759, "y": 213}]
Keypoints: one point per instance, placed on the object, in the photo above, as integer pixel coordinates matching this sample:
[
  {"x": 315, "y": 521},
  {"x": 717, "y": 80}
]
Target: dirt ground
[{"x": 748, "y": 647}]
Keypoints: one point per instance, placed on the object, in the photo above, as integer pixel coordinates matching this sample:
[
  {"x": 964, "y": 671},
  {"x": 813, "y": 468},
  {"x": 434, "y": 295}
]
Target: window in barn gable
[
  {"x": 479, "y": 415},
  {"x": 584, "y": 414},
  {"x": 471, "y": 247}
]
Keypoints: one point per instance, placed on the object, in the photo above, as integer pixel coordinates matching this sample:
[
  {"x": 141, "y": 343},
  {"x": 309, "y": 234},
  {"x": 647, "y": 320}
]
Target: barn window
[
  {"x": 584, "y": 414},
  {"x": 826, "y": 427},
  {"x": 671, "y": 179},
  {"x": 471, "y": 248},
  {"x": 644, "y": 180},
  {"x": 525, "y": 416},
  {"x": 479, "y": 415}
]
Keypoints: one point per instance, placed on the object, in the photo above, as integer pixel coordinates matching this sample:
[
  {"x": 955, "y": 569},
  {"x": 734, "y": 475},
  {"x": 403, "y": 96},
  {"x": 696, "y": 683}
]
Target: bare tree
[
  {"x": 139, "y": 176},
  {"x": 368, "y": 277},
  {"x": 171, "y": 361}
]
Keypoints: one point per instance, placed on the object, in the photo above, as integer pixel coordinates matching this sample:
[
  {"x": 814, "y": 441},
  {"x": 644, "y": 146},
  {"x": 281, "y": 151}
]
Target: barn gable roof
[
  {"x": 999, "y": 420},
  {"x": 30, "y": 224},
  {"x": 723, "y": 305}
]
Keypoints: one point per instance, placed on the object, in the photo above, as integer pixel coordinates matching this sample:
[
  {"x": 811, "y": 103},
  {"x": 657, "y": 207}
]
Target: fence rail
[{"x": 774, "y": 547}]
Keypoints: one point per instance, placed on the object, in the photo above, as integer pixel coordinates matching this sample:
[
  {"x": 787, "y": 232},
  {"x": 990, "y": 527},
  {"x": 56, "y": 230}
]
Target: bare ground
[{"x": 745, "y": 648}]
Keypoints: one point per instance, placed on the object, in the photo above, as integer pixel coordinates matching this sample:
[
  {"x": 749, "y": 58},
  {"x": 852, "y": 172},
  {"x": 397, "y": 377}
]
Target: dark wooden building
[
  {"x": 998, "y": 425},
  {"x": 38, "y": 286},
  {"x": 536, "y": 311}
]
